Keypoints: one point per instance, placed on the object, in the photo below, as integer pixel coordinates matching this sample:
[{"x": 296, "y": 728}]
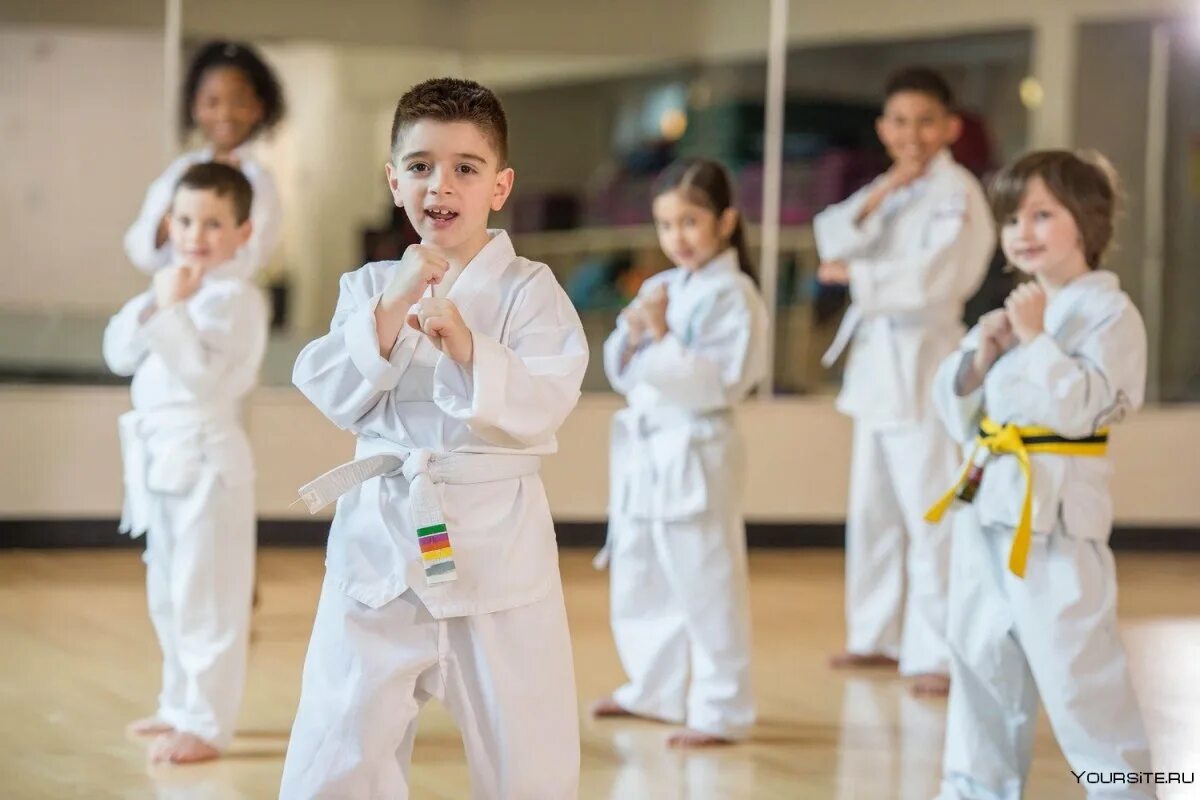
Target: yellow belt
[{"x": 1020, "y": 442}]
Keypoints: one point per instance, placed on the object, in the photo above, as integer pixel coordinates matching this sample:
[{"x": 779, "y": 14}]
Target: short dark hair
[
  {"x": 1086, "y": 184},
  {"x": 925, "y": 80},
  {"x": 454, "y": 100},
  {"x": 225, "y": 181},
  {"x": 242, "y": 57}
]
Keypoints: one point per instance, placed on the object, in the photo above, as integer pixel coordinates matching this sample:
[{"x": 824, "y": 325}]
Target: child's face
[
  {"x": 1041, "y": 237},
  {"x": 226, "y": 108},
  {"x": 204, "y": 228},
  {"x": 915, "y": 127},
  {"x": 447, "y": 177},
  {"x": 690, "y": 234}
]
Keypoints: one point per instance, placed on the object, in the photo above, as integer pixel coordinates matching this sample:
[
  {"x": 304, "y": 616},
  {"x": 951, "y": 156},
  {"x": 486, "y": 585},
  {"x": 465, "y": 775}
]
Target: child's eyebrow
[{"x": 427, "y": 154}]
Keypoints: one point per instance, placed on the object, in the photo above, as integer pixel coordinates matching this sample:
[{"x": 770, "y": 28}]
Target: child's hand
[
  {"x": 654, "y": 311},
  {"x": 1026, "y": 308},
  {"x": 902, "y": 174},
  {"x": 995, "y": 339},
  {"x": 173, "y": 284},
  {"x": 836, "y": 273},
  {"x": 438, "y": 318},
  {"x": 635, "y": 321},
  {"x": 419, "y": 268}
]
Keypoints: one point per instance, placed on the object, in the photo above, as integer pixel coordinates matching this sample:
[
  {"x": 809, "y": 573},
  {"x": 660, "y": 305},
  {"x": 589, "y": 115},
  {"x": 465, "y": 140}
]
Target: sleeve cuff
[
  {"x": 475, "y": 393},
  {"x": 362, "y": 343},
  {"x": 958, "y": 411},
  {"x": 169, "y": 325},
  {"x": 1042, "y": 357},
  {"x": 838, "y": 236},
  {"x": 664, "y": 354},
  {"x": 489, "y": 371}
]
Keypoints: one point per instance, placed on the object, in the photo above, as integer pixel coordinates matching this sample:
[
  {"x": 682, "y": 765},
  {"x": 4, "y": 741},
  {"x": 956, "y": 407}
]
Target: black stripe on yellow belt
[{"x": 1018, "y": 441}]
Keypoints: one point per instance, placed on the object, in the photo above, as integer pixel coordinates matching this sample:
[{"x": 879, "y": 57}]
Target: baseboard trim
[{"x": 63, "y": 533}]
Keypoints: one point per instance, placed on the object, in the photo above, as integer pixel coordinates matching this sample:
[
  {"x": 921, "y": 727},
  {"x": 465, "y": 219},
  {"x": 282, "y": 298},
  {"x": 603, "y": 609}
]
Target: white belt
[
  {"x": 160, "y": 453},
  {"x": 853, "y": 319},
  {"x": 845, "y": 332},
  {"x": 424, "y": 470},
  {"x": 658, "y": 474}
]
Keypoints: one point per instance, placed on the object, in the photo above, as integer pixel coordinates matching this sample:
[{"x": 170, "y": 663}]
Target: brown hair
[
  {"x": 706, "y": 183},
  {"x": 225, "y": 181},
  {"x": 1085, "y": 183},
  {"x": 454, "y": 100}
]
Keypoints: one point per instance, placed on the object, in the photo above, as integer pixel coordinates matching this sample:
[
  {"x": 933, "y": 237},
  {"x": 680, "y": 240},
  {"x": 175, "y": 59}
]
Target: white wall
[
  {"x": 61, "y": 457},
  {"x": 81, "y": 137}
]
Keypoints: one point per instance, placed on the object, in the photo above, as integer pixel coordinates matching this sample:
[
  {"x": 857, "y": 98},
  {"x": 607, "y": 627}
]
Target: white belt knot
[{"x": 417, "y": 463}]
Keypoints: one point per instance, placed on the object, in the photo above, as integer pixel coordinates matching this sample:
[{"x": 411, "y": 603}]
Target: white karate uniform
[
  {"x": 1053, "y": 634},
  {"x": 189, "y": 486},
  {"x": 680, "y": 601},
  {"x": 913, "y": 264},
  {"x": 493, "y": 644},
  {"x": 266, "y": 216}
]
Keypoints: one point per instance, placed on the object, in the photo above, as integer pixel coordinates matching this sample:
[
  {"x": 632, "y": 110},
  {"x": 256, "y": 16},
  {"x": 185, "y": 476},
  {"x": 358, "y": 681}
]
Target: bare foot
[
  {"x": 607, "y": 707},
  {"x": 862, "y": 661},
  {"x": 182, "y": 748},
  {"x": 931, "y": 684},
  {"x": 149, "y": 726},
  {"x": 690, "y": 738}
]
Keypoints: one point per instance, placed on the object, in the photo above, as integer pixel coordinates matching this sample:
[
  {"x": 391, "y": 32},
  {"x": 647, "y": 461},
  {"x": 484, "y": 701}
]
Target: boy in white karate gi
[
  {"x": 912, "y": 247},
  {"x": 194, "y": 344},
  {"x": 454, "y": 366}
]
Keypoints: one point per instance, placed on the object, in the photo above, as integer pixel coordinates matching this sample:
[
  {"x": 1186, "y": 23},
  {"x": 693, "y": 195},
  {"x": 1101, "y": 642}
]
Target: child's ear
[
  {"x": 244, "y": 231},
  {"x": 503, "y": 188},
  {"x": 727, "y": 223},
  {"x": 393, "y": 180},
  {"x": 954, "y": 127},
  {"x": 879, "y": 122}
]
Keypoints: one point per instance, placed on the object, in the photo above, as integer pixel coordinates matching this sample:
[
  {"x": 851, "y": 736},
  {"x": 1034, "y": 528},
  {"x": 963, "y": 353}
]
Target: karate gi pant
[
  {"x": 199, "y": 558},
  {"x": 681, "y": 621},
  {"x": 1053, "y": 634},
  {"x": 897, "y": 564},
  {"x": 506, "y": 678}
]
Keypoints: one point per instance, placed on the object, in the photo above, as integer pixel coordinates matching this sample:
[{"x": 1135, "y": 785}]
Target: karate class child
[
  {"x": 232, "y": 96},
  {"x": 688, "y": 349},
  {"x": 454, "y": 367},
  {"x": 194, "y": 343},
  {"x": 912, "y": 247},
  {"x": 1031, "y": 394}
]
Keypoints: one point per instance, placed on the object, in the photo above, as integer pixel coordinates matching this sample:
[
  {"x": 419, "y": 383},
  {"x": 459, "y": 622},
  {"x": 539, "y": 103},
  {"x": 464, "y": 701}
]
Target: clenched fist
[
  {"x": 419, "y": 268},
  {"x": 1026, "y": 307},
  {"x": 438, "y": 318},
  {"x": 995, "y": 339},
  {"x": 174, "y": 284},
  {"x": 654, "y": 311}
]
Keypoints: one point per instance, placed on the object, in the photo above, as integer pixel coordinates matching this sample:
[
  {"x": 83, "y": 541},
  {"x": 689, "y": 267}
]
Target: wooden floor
[{"x": 78, "y": 660}]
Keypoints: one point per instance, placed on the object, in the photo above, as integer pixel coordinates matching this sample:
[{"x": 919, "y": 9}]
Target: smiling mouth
[{"x": 441, "y": 214}]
